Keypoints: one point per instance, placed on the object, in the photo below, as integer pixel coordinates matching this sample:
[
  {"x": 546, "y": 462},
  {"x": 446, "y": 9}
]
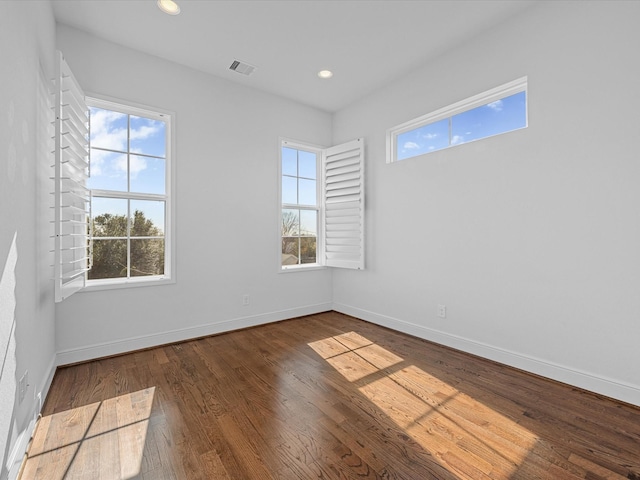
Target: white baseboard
[
  {"x": 581, "y": 379},
  {"x": 16, "y": 456},
  {"x": 106, "y": 349}
]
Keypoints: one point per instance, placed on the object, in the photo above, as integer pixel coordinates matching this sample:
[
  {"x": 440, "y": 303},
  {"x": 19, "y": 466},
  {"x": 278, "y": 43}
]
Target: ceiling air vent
[{"x": 241, "y": 67}]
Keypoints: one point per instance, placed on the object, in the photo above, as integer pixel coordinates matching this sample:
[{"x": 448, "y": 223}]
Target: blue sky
[
  {"x": 133, "y": 159},
  {"x": 299, "y": 186},
  {"x": 501, "y": 116}
]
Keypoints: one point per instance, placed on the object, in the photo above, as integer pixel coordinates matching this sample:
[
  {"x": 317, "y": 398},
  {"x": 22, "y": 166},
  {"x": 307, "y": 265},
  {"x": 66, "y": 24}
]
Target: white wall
[
  {"x": 530, "y": 239},
  {"x": 226, "y": 199},
  {"x": 27, "y": 36}
]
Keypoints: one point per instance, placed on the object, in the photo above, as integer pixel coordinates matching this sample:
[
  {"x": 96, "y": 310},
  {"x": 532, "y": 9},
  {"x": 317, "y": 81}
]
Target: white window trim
[
  {"x": 341, "y": 204},
  {"x": 169, "y": 276},
  {"x": 308, "y": 147},
  {"x": 502, "y": 91}
]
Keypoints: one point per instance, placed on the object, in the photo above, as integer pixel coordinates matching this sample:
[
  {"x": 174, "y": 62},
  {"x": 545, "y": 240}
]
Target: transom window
[
  {"x": 130, "y": 191},
  {"x": 500, "y": 110}
]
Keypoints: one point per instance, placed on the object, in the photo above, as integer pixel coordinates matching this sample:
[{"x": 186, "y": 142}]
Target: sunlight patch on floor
[
  {"x": 461, "y": 432},
  {"x": 101, "y": 440}
]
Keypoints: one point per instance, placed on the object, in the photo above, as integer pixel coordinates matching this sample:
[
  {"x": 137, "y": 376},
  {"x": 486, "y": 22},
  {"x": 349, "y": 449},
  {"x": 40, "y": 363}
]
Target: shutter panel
[
  {"x": 72, "y": 199},
  {"x": 343, "y": 217}
]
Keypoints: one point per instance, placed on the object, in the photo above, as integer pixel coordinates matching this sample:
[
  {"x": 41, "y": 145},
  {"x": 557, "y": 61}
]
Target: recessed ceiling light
[
  {"x": 325, "y": 74},
  {"x": 169, "y": 6}
]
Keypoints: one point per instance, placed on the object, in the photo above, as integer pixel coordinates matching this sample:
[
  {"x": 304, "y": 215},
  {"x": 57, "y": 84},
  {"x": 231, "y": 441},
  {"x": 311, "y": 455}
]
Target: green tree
[{"x": 110, "y": 251}]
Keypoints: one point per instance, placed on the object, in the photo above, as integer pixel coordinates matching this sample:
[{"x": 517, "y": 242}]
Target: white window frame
[
  {"x": 511, "y": 88},
  {"x": 340, "y": 193},
  {"x": 317, "y": 150},
  {"x": 168, "y": 117}
]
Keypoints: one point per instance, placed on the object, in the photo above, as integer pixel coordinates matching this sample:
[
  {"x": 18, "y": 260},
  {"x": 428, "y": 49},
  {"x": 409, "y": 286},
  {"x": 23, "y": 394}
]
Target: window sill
[
  {"x": 112, "y": 284},
  {"x": 302, "y": 268}
]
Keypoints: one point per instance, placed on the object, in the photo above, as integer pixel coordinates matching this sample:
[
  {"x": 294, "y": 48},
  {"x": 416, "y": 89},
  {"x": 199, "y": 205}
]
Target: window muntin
[
  {"x": 497, "y": 111},
  {"x": 130, "y": 193},
  {"x": 300, "y": 212}
]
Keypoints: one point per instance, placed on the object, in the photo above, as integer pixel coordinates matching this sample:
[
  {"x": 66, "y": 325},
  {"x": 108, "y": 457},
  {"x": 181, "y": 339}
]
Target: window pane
[
  {"x": 147, "y": 257},
  {"x": 147, "y": 218},
  {"x": 290, "y": 222},
  {"x": 147, "y": 174},
  {"x": 108, "y": 129},
  {"x": 290, "y": 249},
  {"x": 425, "y": 139},
  {"x": 289, "y": 190},
  {"x": 289, "y": 162},
  {"x": 308, "y": 223},
  {"x": 497, "y": 117},
  {"x": 108, "y": 171},
  {"x": 109, "y": 217},
  {"x": 147, "y": 136},
  {"x": 307, "y": 192},
  {"x": 306, "y": 164},
  {"x": 308, "y": 250},
  {"x": 109, "y": 259}
]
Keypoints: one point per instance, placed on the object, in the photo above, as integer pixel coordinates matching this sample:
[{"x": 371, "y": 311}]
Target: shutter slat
[
  {"x": 343, "y": 185},
  {"x": 339, "y": 171},
  {"x": 346, "y": 156},
  {"x": 343, "y": 192}
]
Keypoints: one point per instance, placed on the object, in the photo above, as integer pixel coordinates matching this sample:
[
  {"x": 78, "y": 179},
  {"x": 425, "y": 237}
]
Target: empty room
[{"x": 319, "y": 239}]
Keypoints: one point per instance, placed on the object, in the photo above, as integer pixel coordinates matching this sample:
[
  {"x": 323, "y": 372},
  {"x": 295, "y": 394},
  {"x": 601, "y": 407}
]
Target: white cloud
[
  {"x": 495, "y": 106},
  {"x": 457, "y": 140},
  {"x": 411, "y": 145},
  {"x": 430, "y": 136},
  {"x": 109, "y": 131},
  {"x": 136, "y": 165}
]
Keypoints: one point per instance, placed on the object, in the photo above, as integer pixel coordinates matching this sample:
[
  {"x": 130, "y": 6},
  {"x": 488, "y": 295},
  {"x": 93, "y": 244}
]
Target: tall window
[
  {"x": 130, "y": 190},
  {"x": 300, "y": 205},
  {"x": 322, "y": 206}
]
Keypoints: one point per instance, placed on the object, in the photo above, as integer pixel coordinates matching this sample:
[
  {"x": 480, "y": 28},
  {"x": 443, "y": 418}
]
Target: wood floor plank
[{"x": 328, "y": 397}]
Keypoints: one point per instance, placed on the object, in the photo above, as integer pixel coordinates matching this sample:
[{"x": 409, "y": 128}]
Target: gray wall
[
  {"x": 226, "y": 200},
  {"x": 531, "y": 239},
  {"x": 27, "y": 39}
]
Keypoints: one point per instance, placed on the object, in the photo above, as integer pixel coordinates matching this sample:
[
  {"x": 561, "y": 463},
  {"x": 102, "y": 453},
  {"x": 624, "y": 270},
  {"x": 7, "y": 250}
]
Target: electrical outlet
[
  {"x": 245, "y": 300},
  {"x": 442, "y": 311},
  {"x": 23, "y": 384}
]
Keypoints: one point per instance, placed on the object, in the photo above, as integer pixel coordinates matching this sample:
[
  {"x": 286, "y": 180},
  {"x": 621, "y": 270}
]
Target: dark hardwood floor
[{"x": 323, "y": 397}]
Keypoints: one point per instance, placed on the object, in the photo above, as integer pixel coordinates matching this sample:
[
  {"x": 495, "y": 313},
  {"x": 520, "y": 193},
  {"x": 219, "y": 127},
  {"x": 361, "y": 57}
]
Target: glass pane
[
  {"x": 147, "y": 257},
  {"x": 289, "y": 162},
  {"x": 108, "y": 170},
  {"x": 109, "y": 217},
  {"x": 147, "y": 136},
  {"x": 289, "y": 190},
  {"x": 425, "y": 139},
  {"x": 109, "y": 259},
  {"x": 306, "y": 164},
  {"x": 308, "y": 223},
  {"x": 501, "y": 116},
  {"x": 147, "y": 174},
  {"x": 290, "y": 248},
  {"x": 147, "y": 218},
  {"x": 290, "y": 222},
  {"x": 308, "y": 250},
  {"x": 108, "y": 129},
  {"x": 308, "y": 194}
]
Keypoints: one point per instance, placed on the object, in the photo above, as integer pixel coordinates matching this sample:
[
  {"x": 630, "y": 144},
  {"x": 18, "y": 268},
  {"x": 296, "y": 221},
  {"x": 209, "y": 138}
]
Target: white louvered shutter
[
  {"x": 343, "y": 218},
  {"x": 72, "y": 258}
]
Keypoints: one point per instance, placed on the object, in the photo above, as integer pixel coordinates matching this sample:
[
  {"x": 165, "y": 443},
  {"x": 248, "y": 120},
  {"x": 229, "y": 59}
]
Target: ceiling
[{"x": 366, "y": 43}]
